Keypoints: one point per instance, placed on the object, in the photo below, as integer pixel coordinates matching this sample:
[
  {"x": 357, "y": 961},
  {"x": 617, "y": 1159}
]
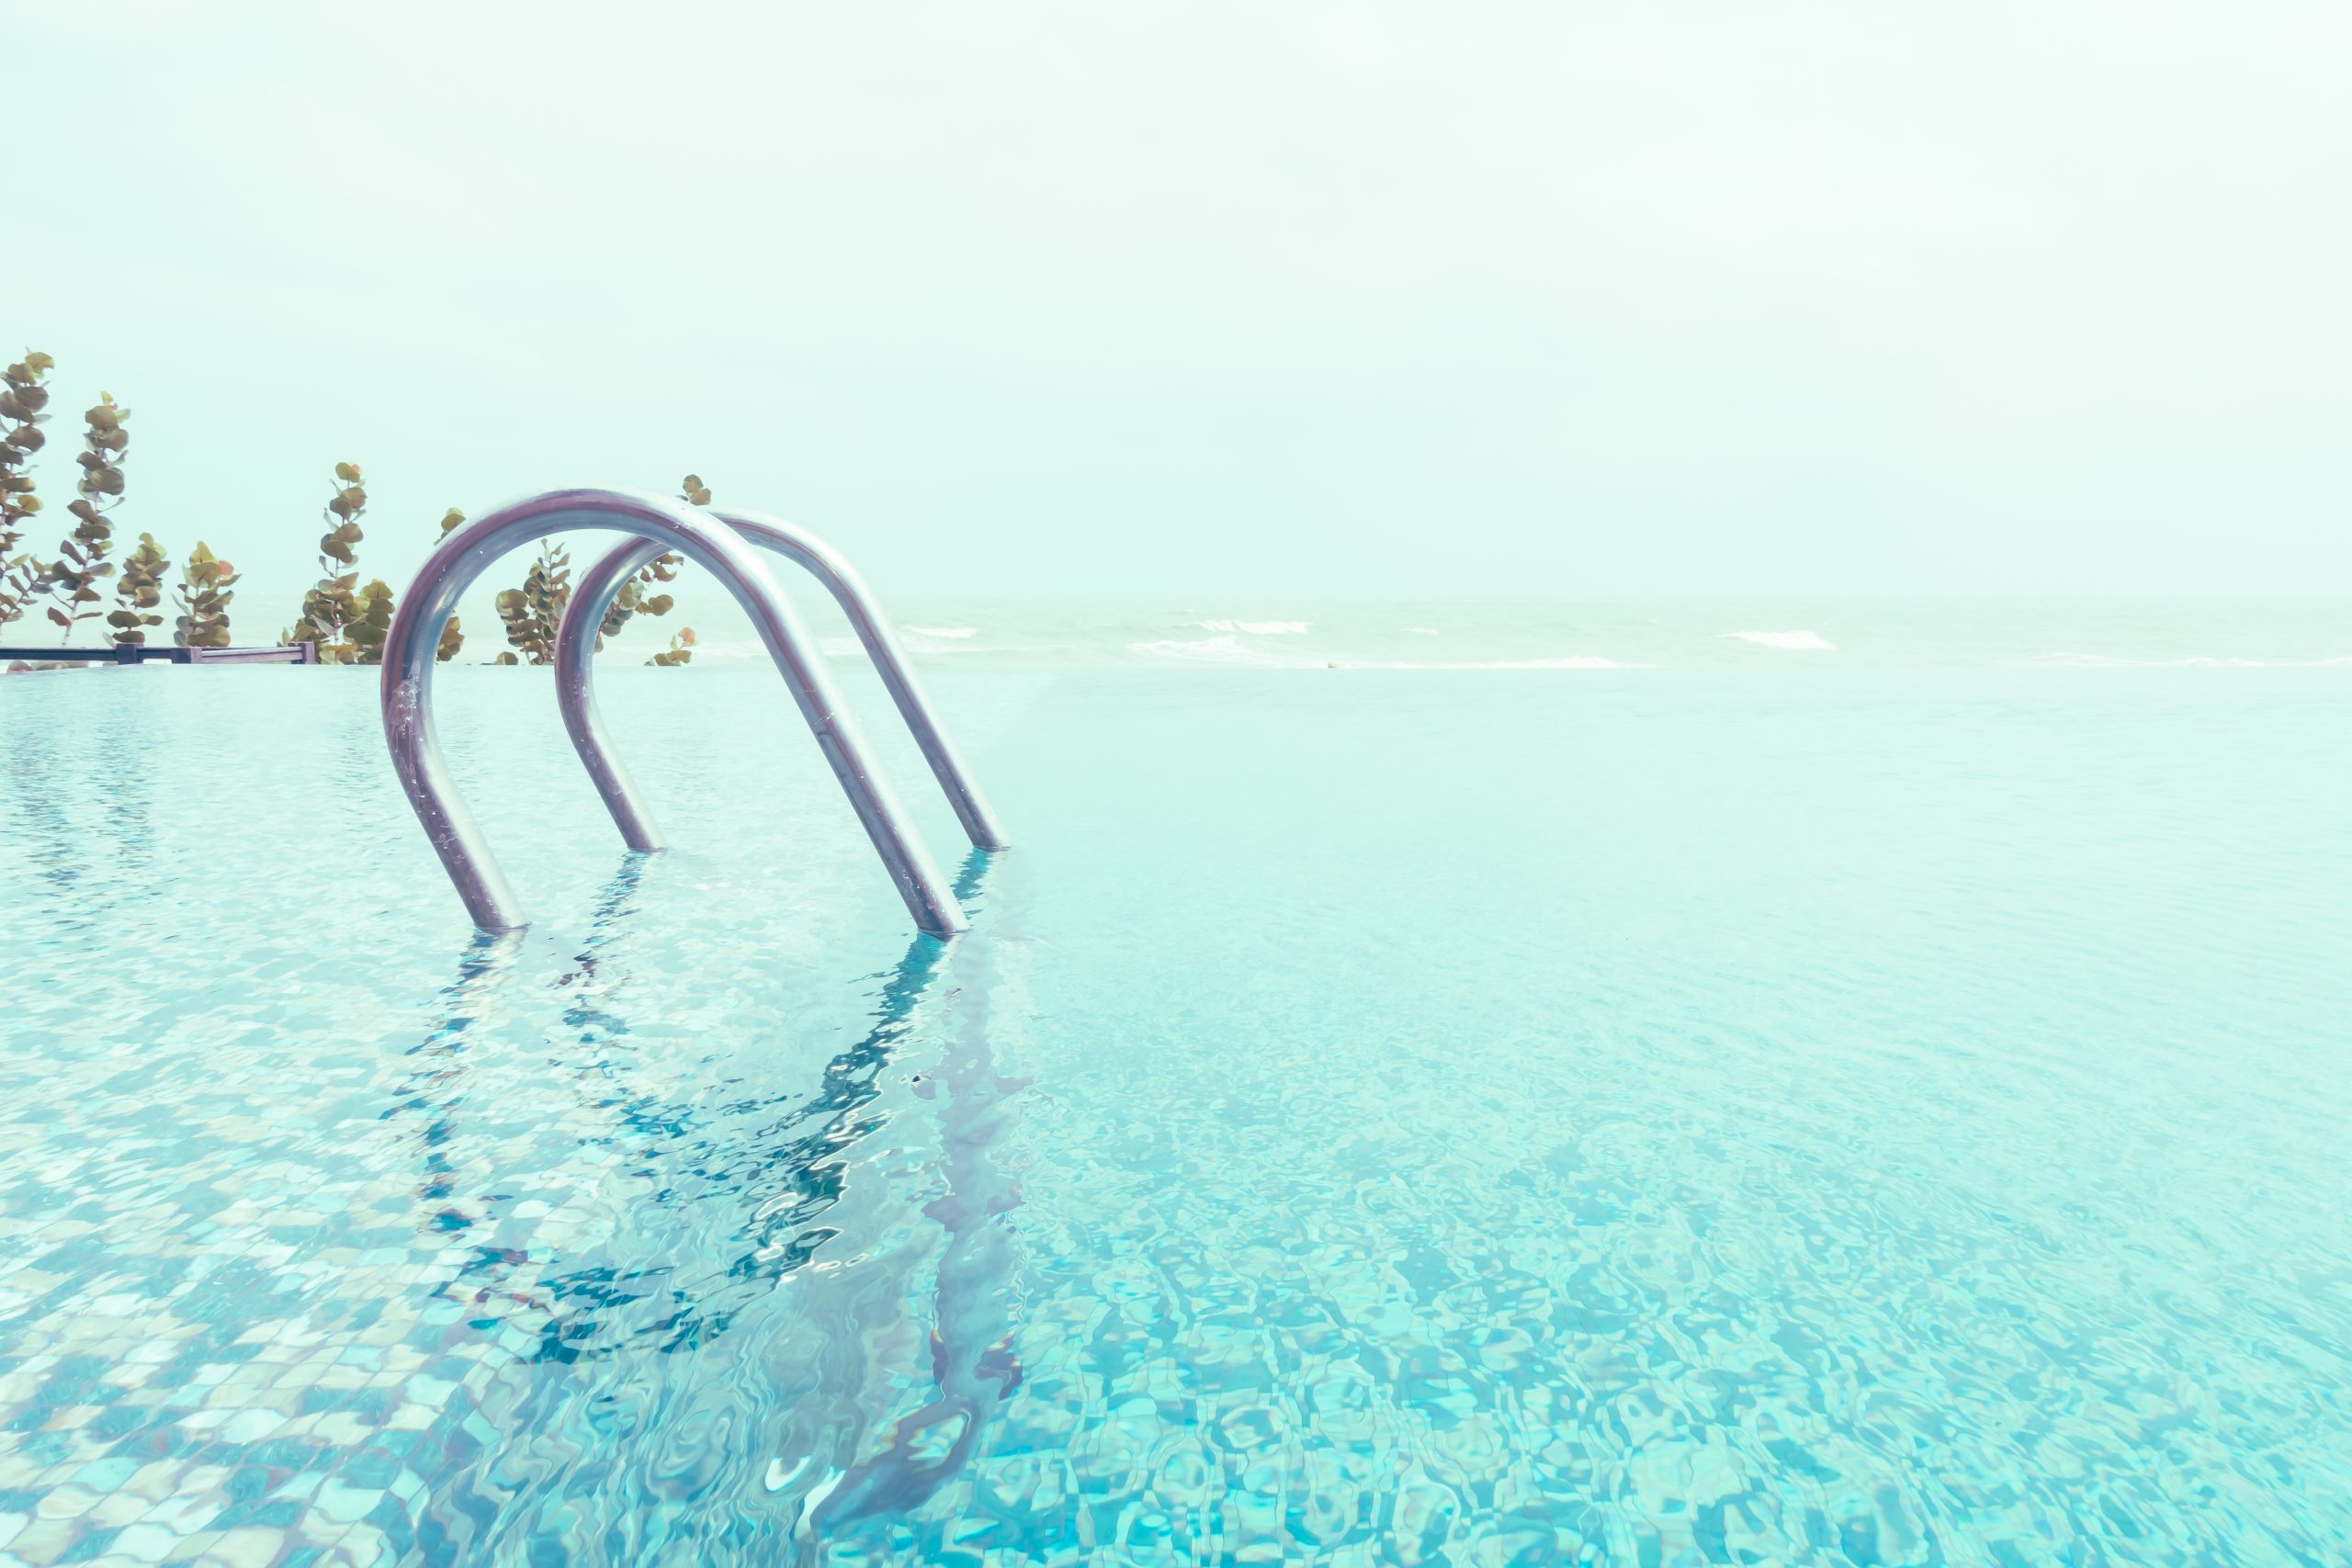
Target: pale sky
[{"x": 1132, "y": 299}]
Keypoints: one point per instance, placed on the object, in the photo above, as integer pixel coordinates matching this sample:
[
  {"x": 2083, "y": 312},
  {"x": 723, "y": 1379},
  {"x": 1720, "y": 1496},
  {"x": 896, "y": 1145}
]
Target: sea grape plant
[
  {"x": 533, "y": 612},
  {"x": 634, "y": 598},
  {"x": 73, "y": 578},
  {"x": 22, "y": 399},
  {"x": 332, "y": 608},
  {"x": 207, "y": 584},
  {"x": 371, "y": 618},
  {"x": 348, "y": 621},
  {"x": 137, "y": 591}
]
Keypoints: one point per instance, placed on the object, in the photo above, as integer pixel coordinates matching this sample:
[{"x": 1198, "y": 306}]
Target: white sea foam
[
  {"x": 1258, "y": 628},
  {"x": 2196, "y": 661},
  {"x": 944, "y": 631},
  {"x": 1227, "y": 649},
  {"x": 716, "y": 650},
  {"x": 1785, "y": 639},
  {"x": 1572, "y": 661}
]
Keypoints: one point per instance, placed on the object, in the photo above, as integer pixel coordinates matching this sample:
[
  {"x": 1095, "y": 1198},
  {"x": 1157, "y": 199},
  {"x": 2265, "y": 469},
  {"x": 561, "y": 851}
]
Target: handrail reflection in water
[
  {"x": 973, "y": 1365},
  {"x": 786, "y": 1171},
  {"x": 817, "y": 1366}
]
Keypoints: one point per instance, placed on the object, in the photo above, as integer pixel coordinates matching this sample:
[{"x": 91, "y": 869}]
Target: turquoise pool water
[{"x": 1778, "y": 1113}]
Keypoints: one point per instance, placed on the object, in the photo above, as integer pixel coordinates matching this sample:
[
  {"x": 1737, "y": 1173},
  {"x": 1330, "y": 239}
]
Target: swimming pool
[{"x": 1629, "y": 1116}]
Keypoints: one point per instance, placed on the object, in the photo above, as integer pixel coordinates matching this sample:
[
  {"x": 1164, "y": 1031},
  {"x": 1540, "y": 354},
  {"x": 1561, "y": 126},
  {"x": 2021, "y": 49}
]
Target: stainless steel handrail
[
  {"x": 584, "y": 617},
  {"x": 407, "y": 688}
]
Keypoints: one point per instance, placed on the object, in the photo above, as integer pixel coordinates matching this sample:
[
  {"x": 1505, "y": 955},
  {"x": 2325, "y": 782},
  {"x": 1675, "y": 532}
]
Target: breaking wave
[
  {"x": 1232, "y": 650},
  {"x": 1572, "y": 661},
  {"x": 1227, "y": 649},
  {"x": 1786, "y": 639},
  {"x": 1258, "y": 628},
  {"x": 2195, "y": 661}
]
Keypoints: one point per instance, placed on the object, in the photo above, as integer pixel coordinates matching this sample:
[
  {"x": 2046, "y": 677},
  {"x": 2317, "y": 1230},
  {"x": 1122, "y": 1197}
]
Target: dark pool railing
[
  {"x": 723, "y": 546},
  {"x": 166, "y": 653}
]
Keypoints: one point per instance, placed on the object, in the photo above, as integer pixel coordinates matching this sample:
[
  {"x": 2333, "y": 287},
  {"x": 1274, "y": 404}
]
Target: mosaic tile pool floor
[{"x": 1448, "y": 1117}]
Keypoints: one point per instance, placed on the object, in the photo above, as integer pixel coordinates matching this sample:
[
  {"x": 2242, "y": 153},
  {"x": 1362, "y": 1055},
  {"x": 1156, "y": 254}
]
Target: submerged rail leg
[
  {"x": 407, "y": 687},
  {"x": 575, "y": 689}
]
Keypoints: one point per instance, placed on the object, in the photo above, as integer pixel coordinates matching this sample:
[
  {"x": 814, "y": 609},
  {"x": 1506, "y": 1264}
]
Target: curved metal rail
[
  {"x": 407, "y": 688},
  {"x": 575, "y": 685}
]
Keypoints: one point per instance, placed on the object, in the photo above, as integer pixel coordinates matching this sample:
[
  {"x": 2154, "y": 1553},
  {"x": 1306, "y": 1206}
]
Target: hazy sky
[{"x": 1223, "y": 298}]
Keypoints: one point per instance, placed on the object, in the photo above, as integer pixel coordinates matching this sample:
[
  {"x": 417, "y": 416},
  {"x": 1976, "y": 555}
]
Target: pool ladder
[{"x": 723, "y": 543}]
